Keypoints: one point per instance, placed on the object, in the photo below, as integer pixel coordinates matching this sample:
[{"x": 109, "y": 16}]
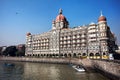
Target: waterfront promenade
[{"x": 109, "y": 68}]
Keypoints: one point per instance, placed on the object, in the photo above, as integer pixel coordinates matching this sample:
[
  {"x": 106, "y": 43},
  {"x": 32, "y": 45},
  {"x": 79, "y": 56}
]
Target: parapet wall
[
  {"x": 44, "y": 60},
  {"x": 84, "y": 62},
  {"x": 108, "y": 68}
]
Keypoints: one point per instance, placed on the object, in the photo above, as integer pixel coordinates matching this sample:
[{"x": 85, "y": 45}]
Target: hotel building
[{"x": 88, "y": 41}]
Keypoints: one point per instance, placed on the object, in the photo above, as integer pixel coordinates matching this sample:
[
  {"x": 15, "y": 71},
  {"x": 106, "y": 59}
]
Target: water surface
[{"x": 42, "y": 71}]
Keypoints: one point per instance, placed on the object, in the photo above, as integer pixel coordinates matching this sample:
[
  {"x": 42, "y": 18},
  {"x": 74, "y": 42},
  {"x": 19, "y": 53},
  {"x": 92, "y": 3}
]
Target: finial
[
  {"x": 60, "y": 11},
  {"x": 101, "y": 13}
]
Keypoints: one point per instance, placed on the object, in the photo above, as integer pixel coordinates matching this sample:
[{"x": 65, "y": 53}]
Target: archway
[
  {"x": 61, "y": 55},
  {"x": 53, "y": 55},
  {"x": 38, "y": 55},
  {"x": 33, "y": 55},
  {"x": 47, "y": 55},
  {"x": 41, "y": 55},
  {"x": 56, "y": 55},
  {"x": 74, "y": 55},
  {"x": 44, "y": 55},
  {"x": 97, "y": 55},
  {"x": 91, "y": 55},
  {"x": 30, "y": 55},
  {"x": 104, "y": 53},
  {"x": 84, "y": 55},
  {"x": 79, "y": 55},
  {"x": 65, "y": 55},
  {"x": 69, "y": 55},
  {"x": 50, "y": 55},
  {"x": 105, "y": 56}
]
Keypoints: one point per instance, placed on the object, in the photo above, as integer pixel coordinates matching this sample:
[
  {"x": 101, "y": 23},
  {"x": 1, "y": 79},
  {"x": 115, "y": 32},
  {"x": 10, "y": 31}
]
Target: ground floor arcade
[{"x": 72, "y": 55}]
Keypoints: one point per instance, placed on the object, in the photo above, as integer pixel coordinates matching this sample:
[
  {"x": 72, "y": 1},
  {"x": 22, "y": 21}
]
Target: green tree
[{"x": 11, "y": 51}]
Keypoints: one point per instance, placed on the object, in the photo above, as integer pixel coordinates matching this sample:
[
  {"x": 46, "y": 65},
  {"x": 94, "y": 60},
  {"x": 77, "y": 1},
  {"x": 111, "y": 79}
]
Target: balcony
[
  {"x": 69, "y": 42},
  {"x": 83, "y": 36},
  {"x": 83, "y": 40},
  {"x": 74, "y": 41},
  {"x": 68, "y": 38}
]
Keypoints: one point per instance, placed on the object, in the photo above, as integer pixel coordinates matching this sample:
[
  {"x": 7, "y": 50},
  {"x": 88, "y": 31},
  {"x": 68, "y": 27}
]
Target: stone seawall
[
  {"x": 108, "y": 68},
  {"x": 44, "y": 60},
  {"x": 83, "y": 62}
]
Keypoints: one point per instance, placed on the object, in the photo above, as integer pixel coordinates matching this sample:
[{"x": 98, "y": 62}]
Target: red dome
[
  {"x": 102, "y": 18},
  {"x": 28, "y": 34},
  {"x": 60, "y": 17}
]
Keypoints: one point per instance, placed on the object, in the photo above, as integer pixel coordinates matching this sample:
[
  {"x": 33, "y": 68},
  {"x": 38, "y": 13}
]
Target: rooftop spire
[
  {"x": 101, "y": 13},
  {"x": 60, "y": 11},
  {"x": 101, "y": 18}
]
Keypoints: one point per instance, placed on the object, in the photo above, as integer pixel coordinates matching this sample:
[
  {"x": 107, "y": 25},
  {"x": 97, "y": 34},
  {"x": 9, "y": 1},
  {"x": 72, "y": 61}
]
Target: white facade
[{"x": 91, "y": 41}]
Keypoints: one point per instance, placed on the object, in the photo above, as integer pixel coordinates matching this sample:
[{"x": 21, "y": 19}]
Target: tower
[
  {"x": 28, "y": 44},
  {"x": 103, "y": 33},
  {"x": 60, "y": 22}
]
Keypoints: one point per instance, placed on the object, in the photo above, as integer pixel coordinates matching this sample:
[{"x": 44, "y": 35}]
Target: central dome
[{"x": 60, "y": 17}]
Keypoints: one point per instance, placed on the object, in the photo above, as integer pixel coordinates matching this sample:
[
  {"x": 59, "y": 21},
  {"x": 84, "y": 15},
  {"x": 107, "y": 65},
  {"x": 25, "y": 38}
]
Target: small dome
[
  {"x": 92, "y": 23},
  {"x": 28, "y": 34},
  {"x": 102, "y": 18}
]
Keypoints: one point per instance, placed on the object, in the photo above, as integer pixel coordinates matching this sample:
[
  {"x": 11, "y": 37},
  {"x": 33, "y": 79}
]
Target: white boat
[{"x": 78, "y": 68}]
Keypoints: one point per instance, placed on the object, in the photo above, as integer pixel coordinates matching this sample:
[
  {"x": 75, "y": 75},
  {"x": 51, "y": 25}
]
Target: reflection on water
[
  {"x": 40, "y": 71},
  {"x": 11, "y": 72}
]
